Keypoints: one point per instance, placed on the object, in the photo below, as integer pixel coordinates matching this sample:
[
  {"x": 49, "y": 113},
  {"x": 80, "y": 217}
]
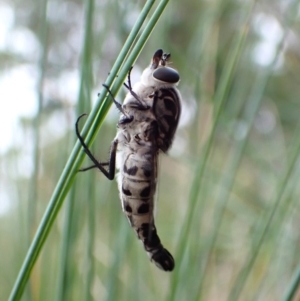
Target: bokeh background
[{"x": 228, "y": 197}]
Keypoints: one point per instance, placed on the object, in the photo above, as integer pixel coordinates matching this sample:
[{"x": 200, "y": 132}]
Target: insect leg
[
  {"x": 142, "y": 105},
  {"x": 93, "y": 166},
  {"x": 129, "y": 87},
  {"x": 118, "y": 105},
  {"x": 110, "y": 174},
  {"x": 127, "y": 117},
  {"x": 133, "y": 94}
]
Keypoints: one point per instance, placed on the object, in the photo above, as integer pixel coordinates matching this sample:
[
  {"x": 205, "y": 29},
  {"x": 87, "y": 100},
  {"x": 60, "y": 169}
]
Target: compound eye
[{"x": 167, "y": 75}]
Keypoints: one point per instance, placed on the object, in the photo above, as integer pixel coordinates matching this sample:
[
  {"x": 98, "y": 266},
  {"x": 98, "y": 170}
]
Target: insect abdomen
[{"x": 137, "y": 194}]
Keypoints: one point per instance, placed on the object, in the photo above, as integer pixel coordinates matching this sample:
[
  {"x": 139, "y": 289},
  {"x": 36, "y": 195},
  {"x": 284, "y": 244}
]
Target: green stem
[
  {"x": 220, "y": 99},
  {"x": 266, "y": 223},
  {"x": 83, "y": 105},
  {"x": 95, "y": 119},
  {"x": 293, "y": 287}
]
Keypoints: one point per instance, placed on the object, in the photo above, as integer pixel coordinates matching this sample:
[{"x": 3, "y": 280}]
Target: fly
[{"x": 148, "y": 121}]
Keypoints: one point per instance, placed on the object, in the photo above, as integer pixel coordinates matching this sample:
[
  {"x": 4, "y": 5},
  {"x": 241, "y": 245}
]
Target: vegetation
[{"x": 228, "y": 195}]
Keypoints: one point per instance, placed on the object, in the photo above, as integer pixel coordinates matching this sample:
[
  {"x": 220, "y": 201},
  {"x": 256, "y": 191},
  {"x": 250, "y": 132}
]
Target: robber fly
[{"x": 149, "y": 118}]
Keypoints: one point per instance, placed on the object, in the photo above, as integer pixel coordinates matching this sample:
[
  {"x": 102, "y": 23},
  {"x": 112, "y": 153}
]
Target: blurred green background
[{"x": 228, "y": 191}]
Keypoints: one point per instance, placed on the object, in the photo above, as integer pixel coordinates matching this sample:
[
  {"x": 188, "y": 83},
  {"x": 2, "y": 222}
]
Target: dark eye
[
  {"x": 125, "y": 119},
  {"x": 166, "y": 74}
]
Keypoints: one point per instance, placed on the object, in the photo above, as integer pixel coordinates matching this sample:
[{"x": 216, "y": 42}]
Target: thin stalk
[
  {"x": 265, "y": 227},
  {"x": 33, "y": 190},
  {"x": 63, "y": 260},
  {"x": 229, "y": 174},
  {"x": 89, "y": 260},
  {"x": 231, "y": 169},
  {"x": 295, "y": 283},
  {"x": 76, "y": 157},
  {"x": 242, "y": 277},
  {"x": 293, "y": 288},
  {"x": 277, "y": 238},
  {"x": 219, "y": 100},
  {"x": 113, "y": 286},
  {"x": 84, "y": 104},
  {"x": 43, "y": 32}
]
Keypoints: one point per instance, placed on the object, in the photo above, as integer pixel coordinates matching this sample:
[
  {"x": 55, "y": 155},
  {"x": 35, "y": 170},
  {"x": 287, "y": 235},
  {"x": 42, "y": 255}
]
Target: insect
[{"x": 148, "y": 121}]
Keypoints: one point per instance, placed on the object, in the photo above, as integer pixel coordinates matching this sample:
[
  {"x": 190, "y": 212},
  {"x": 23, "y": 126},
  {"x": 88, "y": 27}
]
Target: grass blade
[{"x": 95, "y": 119}]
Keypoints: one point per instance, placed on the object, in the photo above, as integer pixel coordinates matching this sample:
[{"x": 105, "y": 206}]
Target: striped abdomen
[
  {"x": 166, "y": 109},
  {"x": 137, "y": 189}
]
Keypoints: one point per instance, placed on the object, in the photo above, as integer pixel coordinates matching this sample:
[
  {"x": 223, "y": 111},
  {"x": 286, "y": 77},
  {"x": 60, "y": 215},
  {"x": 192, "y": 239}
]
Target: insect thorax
[{"x": 163, "y": 100}]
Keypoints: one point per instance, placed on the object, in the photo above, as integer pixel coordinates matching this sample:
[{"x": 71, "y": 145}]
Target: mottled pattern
[
  {"x": 166, "y": 109},
  {"x": 151, "y": 112},
  {"x": 137, "y": 162}
]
